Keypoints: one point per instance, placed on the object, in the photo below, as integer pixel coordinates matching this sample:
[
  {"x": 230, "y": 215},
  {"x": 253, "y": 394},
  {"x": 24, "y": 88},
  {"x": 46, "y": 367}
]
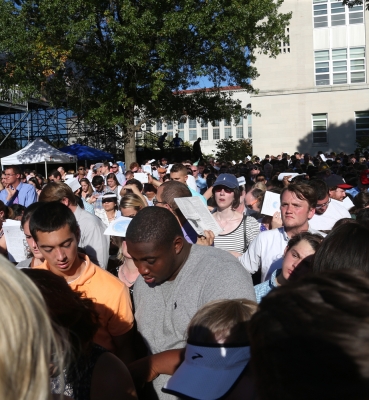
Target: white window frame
[
  {"x": 362, "y": 124},
  {"x": 205, "y": 134},
  {"x": 336, "y": 14},
  {"x": 328, "y": 66},
  {"x": 320, "y": 118},
  {"x": 192, "y": 134},
  {"x": 216, "y": 133}
]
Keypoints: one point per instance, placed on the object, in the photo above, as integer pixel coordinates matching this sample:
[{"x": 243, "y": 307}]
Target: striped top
[{"x": 236, "y": 240}]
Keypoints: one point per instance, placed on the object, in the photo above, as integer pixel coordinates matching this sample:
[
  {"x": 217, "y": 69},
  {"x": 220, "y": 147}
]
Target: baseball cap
[
  {"x": 208, "y": 372},
  {"x": 228, "y": 180},
  {"x": 364, "y": 177},
  {"x": 109, "y": 195},
  {"x": 118, "y": 227},
  {"x": 336, "y": 180},
  {"x": 161, "y": 170}
]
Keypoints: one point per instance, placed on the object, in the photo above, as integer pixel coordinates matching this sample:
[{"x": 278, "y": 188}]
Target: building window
[
  {"x": 249, "y": 132},
  {"x": 320, "y": 123},
  {"x": 216, "y": 135},
  {"x": 180, "y": 125},
  {"x": 204, "y": 124},
  {"x": 215, "y": 123},
  {"x": 181, "y": 134},
  {"x": 159, "y": 126},
  {"x": 204, "y": 134},
  {"x": 193, "y": 134},
  {"x": 362, "y": 124},
  {"x": 320, "y": 14},
  {"x": 340, "y": 66},
  {"x": 239, "y": 132},
  {"x": 334, "y": 13},
  {"x": 169, "y": 125},
  {"x": 227, "y": 133},
  {"x": 192, "y": 123},
  {"x": 227, "y": 122}
]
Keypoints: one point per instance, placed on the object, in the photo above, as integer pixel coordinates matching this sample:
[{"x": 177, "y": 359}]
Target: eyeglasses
[
  {"x": 194, "y": 170},
  {"x": 81, "y": 169},
  {"x": 9, "y": 175},
  {"x": 108, "y": 201},
  {"x": 114, "y": 166},
  {"x": 319, "y": 206},
  {"x": 218, "y": 189},
  {"x": 155, "y": 202},
  {"x": 250, "y": 205}
]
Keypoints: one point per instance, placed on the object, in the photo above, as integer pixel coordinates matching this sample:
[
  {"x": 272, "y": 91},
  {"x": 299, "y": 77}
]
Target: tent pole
[{"x": 45, "y": 169}]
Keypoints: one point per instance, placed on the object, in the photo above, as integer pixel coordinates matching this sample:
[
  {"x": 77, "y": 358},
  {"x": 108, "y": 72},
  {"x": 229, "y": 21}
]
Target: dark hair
[
  {"x": 54, "y": 174},
  {"x": 112, "y": 176},
  {"x": 8, "y": 212},
  {"x": 35, "y": 181},
  {"x": 313, "y": 239},
  {"x": 97, "y": 180},
  {"x": 363, "y": 215},
  {"x": 302, "y": 191},
  {"x": 344, "y": 247},
  {"x": 28, "y": 212},
  {"x": 361, "y": 200},
  {"x": 68, "y": 309},
  {"x": 18, "y": 210},
  {"x": 136, "y": 183},
  {"x": 236, "y": 199},
  {"x": 309, "y": 339},
  {"x": 50, "y": 217},
  {"x": 57, "y": 191},
  {"x": 320, "y": 187},
  {"x": 154, "y": 224},
  {"x": 172, "y": 189},
  {"x": 179, "y": 168},
  {"x": 16, "y": 169},
  {"x": 149, "y": 187}
]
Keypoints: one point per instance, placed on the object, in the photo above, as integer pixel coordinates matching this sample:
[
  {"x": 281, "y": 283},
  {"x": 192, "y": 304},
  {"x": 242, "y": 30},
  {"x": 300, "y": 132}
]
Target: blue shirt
[
  {"x": 25, "y": 193},
  {"x": 194, "y": 193},
  {"x": 264, "y": 288}
]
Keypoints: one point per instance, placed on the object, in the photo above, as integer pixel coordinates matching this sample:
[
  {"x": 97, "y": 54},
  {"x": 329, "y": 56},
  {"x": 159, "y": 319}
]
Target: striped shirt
[{"x": 237, "y": 240}]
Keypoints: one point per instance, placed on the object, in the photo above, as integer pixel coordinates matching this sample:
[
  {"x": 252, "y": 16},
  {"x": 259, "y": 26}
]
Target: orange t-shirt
[{"x": 111, "y": 298}]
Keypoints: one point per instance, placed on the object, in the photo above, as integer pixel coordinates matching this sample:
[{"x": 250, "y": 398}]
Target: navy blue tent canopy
[{"x": 87, "y": 153}]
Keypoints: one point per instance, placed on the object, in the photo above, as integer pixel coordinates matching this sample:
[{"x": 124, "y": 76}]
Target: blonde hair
[
  {"x": 27, "y": 338},
  {"x": 221, "y": 321},
  {"x": 131, "y": 200}
]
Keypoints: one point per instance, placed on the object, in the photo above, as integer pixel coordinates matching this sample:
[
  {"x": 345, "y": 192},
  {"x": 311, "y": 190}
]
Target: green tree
[
  {"x": 127, "y": 62},
  {"x": 352, "y": 3},
  {"x": 233, "y": 150}
]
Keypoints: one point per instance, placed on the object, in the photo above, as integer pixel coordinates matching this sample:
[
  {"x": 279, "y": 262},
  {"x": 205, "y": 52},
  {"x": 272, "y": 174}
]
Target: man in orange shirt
[{"x": 54, "y": 228}]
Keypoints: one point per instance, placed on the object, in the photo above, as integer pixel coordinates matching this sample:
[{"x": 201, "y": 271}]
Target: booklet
[
  {"x": 271, "y": 203},
  {"x": 198, "y": 215},
  {"x": 15, "y": 241}
]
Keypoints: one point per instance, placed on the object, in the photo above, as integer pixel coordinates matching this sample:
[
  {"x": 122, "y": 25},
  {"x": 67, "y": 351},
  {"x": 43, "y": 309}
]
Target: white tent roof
[{"x": 36, "y": 152}]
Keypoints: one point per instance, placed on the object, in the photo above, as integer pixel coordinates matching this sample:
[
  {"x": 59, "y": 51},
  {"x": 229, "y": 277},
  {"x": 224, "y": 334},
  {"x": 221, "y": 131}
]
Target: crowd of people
[{"x": 121, "y": 298}]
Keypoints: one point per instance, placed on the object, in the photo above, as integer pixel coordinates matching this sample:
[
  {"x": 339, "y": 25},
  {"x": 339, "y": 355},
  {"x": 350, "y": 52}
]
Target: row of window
[
  {"x": 340, "y": 66},
  {"x": 320, "y": 126},
  {"x": 334, "y": 13},
  {"x": 193, "y": 123},
  {"x": 211, "y": 134}
]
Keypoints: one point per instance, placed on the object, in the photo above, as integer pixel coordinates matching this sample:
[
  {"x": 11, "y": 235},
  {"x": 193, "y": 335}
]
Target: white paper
[
  {"x": 241, "y": 180},
  {"x": 170, "y": 167},
  {"x": 198, "y": 215},
  {"x": 151, "y": 161},
  {"x": 147, "y": 168},
  {"x": 347, "y": 203},
  {"x": 271, "y": 203},
  {"x": 15, "y": 241},
  {"x": 322, "y": 156},
  {"x": 234, "y": 162},
  {"x": 141, "y": 176},
  {"x": 248, "y": 157},
  {"x": 292, "y": 174}
]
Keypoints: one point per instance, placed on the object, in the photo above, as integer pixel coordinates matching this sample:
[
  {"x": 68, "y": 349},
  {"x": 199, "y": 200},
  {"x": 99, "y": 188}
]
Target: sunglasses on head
[{"x": 225, "y": 188}]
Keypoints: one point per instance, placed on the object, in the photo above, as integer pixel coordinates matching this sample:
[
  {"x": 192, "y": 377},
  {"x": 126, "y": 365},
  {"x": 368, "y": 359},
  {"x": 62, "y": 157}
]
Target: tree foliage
[
  {"x": 233, "y": 150},
  {"x": 120, "y": 61},
  {"x": 352, "y": 3}
]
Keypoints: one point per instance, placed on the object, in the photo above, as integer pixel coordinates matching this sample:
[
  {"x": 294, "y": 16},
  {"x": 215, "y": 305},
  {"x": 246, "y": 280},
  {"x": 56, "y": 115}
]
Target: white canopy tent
[{"x": 39, "y": 152}]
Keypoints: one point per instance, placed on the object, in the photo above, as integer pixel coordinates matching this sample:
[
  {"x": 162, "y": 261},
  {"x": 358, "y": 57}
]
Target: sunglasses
[
  {"x": 218, "y": 189},
  {"x": 250, "y": 205},
  {"x": 318, "y": 206}
]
